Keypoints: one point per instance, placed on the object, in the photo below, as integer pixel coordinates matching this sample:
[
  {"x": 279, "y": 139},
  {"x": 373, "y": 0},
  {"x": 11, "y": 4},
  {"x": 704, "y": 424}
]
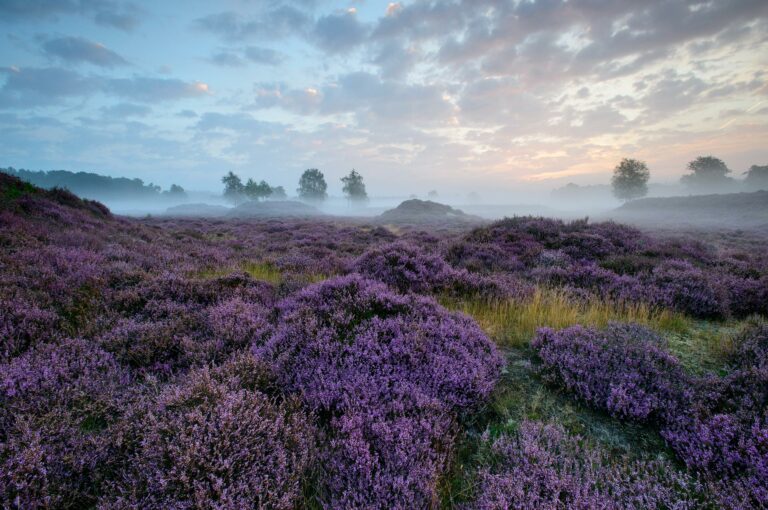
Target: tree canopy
[
  {"x": 354, "y": 187},
  {"x": 757, "y": 177},
  {"x": 630, "y": 179},
  {"x": 234, "y": 190},
  {"x": 312, "y": 185},
  {"x": 707, "y": 173},
  {"x": 91, "y": 185},
  {"x": 257, "y": 191}
]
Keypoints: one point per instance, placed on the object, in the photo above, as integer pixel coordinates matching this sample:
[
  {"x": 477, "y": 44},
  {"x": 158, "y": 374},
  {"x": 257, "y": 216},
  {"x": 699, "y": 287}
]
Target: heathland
[{"x": 319, "y": 362}]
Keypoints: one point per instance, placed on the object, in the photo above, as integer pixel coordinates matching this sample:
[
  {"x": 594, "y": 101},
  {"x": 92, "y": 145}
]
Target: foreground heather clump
[
  {"x": 724, "y": 430},
  {"x": 393, "y": 373},
  {"x": 623, "y": 369},
  {"x": 59, "y": 405},
  {"x": 716, "y": 425},
  {"x": 542, "y": 467},
  {"x": 217, "y": 440},
  {"x": 406, "y": 268}
]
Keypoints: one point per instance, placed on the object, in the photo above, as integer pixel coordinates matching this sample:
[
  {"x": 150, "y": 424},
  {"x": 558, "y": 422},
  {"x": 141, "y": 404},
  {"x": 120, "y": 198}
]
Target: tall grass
[
  {"x": 264, "y": 271},
  {"x": 512, "y": 323}
]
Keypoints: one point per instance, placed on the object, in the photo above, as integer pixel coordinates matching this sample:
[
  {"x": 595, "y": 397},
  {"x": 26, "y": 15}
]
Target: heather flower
[
  {"x": 543, "y": 467},
  {"x": 58, "y": 406},
  {"x": 623, "y": 369},
  {"x": 214, "y": 441},
  {"x": 391, "y": 371}
]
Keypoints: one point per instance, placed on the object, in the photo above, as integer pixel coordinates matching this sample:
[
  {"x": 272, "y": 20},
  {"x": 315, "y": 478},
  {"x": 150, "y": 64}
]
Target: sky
[{"x": 484, "y": 96}]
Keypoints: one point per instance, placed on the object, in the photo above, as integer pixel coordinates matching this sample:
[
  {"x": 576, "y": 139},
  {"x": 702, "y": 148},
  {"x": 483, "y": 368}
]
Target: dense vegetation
[
  {"x": 95, "y": 186},
  {"x": 528, "y": 363}
]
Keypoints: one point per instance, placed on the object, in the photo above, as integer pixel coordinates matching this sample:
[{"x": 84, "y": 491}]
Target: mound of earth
[
  {"x": 273, "y": 209},
  {"x": 425, "y": 211},
  {"x": 197, "y": 210},
  {"x": 732, "y": 210}
]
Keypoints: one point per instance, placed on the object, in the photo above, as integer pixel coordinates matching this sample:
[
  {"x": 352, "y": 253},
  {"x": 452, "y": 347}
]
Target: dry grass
[
  {"x": 264, "y": 271},
  {"x": 513, "y": 323}
]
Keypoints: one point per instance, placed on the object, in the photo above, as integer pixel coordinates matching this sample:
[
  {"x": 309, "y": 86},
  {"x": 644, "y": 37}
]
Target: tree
[
  {"x": 707, "y": 173},
  {"x": 757, "y": 177},
  {"x": 256, "y": 191},
  {"x": 354, "y": 187},
  {"x": 312, "y": 185},
  {"x": 630, "y": 179},
  {"x": 233, "y": 188},
  {"x": 432, "y": 194},
  {"x": 278, "y": 193},
  {"x": 176, "y": 192}
]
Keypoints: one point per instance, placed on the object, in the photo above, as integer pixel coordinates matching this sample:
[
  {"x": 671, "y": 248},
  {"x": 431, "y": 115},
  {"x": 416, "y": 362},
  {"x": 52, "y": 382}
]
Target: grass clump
[{"x": 512, "y": 323}]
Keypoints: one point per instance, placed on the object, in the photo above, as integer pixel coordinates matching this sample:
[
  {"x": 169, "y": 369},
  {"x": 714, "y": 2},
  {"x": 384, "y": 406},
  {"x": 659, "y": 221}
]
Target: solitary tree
[
  {"x": 757, "y": 177},
  {"x": 257, "y": 191},
  {"x": 432, "y": 195},
  {"x": 354, "y": 187},
  {"x": 233, "y": 188},
  {"x": 312, "y": 185},
  {"x": 630, "y": 179},
  {"x": 707, "y": 173}
]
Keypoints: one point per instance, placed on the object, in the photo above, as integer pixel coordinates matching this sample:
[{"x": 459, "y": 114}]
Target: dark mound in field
[
  {"x": 735, "y": 210},
  {"x": 426, "y": 211},
  {"x": 197, "y": 211},
  {"x": 276, "y": 209}
]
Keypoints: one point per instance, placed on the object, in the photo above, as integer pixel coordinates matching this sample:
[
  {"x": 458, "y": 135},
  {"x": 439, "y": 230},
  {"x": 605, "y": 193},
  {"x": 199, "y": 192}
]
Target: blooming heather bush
[
  {"x": 388, "y": 455},
  {"x": 404, "y": 267},
  {"x": 407, "y": 268},
  {"x": 718, "y": 426},
  {"x": 542, "y": 468},
  {"x": 724, "y": 431},
  {"x": 58, "y": 406},
  {"x": 343, "y": 338},
  {"x": 623, "y": 369},
  {"x": 215, "y": 441},
  {"x": 22, "y": 325},
  {"x": 689, "y": 289},
  {"x": 400, "y": 364},
  {"x": 481, "y": 257}
]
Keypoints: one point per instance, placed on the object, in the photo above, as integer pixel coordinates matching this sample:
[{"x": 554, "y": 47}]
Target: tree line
[
  {"x": 707, "y": 174},
  {"x": 95, "y": 186},
  {"x": 312, "y": 187}
]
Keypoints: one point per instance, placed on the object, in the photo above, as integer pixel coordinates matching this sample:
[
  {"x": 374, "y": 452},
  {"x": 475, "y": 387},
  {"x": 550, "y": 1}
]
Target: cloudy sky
[{"x": 458, "y": 95}]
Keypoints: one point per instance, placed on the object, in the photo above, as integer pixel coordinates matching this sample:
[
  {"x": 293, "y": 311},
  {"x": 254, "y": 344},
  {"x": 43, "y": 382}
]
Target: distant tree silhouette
[
  {"x": 278, "y": 193},
  {"x": 176, "y": 192},
  {"x": 354, "y": 187},
  {"x": 432, "y": 194},
  {"x": 757, "y": 177},
  {"x": 234, "y": 190},
  {"x": 630, "y": 179},
  {"x": 312, "y": 185},
  {"x": 708, "y": 173},
  {"x": 88, "y": 185},
  {"x": 257, "y": 191}
]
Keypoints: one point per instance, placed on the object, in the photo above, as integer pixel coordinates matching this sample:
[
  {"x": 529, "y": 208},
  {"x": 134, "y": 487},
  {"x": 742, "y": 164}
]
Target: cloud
[
  {"x": 226, "y": 59},
  {"x": 276, "y": 22},
  {"x": 152, "y": 90},
  {"x": 238, "y": 122},
  {"x": 34, "y": 87},
  {"x": 265, "y": 56},
  {"x": 31, "y": 87},
  {"x": 123, "y": 110},
  {"x": 77, "y": 49},
  {"x": 339, "y": 33},
  {"x": 121, "y": 15}
]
